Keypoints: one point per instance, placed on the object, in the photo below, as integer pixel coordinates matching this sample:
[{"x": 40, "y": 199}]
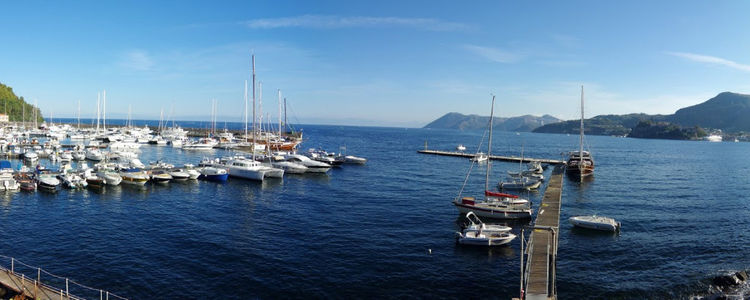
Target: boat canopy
[{"x": 496, "y": 194}]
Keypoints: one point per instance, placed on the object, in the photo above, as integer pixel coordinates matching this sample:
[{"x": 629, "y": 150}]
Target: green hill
[
  {"x": 727, "y": 111},
  {"x": 15, "y": 106}
]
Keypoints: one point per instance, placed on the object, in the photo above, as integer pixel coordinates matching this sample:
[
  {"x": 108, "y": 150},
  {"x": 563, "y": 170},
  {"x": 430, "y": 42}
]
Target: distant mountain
[
  {"x": 459, "y": 121},
  {"x": 727, "y": 111}
]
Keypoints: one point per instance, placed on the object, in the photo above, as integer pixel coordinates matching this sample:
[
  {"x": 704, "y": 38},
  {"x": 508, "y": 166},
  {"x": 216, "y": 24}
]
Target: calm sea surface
[{"x": 365, "y": 231}]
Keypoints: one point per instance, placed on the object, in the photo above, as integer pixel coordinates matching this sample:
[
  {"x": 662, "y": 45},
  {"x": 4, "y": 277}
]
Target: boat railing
[{"x": 63, "y": 286}]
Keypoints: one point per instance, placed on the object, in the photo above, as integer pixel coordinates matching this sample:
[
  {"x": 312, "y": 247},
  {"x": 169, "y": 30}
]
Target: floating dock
[
  {"x": 542, "y": 250},
  {"x": 493, "y": 157}
]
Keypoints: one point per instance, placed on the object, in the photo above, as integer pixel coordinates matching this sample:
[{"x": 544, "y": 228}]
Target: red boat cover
[{"x": 496, "y": 194}]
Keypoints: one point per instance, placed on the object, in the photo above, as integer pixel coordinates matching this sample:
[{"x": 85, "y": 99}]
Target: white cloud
[
  {"x": 138, "y": 60},
  {"x": 494, "y": 54},
  {"x": 711, "y": 60},
  {"x": 334, "y": 22}
]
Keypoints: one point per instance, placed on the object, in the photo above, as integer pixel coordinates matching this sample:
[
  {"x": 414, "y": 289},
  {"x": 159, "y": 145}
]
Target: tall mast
[
  {"x": 252, "y": 146},
  {"x": 98, "y": 98},
  {"x": 279, "y": 114},
  {"x": 104, "y": 109},
  {"x": 285, "y": 121},
  {"x": 580, "y": 158},
  {"x": 260, "y": 106},
  {"x": 489, "y": 147},
  {"x": 78, "y": 115},
  {"x": 245, "y": 111}
]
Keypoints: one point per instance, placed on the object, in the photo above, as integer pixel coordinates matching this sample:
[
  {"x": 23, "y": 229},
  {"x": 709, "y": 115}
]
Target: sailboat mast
[
  {"x": 104, "y": 109},
  {"x": 98, "y": 99},
  {"x": 580, "y": 159},
  {"x": 252, "y": 146},
  {"x": 245, "y": 111},
  {"x": 489, "y": 147},
  {"x": 78, "y": 116},
  {"x": 285, "y": 120},
  {"x": 279, "y": 113}
]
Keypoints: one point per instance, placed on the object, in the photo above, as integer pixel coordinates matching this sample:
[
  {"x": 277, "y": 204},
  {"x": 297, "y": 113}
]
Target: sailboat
[
  {"x": 580, "y": 163},
  {"x": 495, "y": 205}
]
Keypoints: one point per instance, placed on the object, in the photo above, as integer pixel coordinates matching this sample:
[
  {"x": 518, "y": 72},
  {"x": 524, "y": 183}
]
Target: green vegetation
[
  {"x": 15, "y": 106},
  {"x": 665, "y": 130}
]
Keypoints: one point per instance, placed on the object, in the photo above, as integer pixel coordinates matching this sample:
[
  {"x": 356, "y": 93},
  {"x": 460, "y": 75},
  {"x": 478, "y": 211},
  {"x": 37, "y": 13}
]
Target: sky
[{"x": 378, "y": 63}]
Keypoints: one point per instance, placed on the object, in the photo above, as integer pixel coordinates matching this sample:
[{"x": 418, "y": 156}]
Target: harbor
[{"x": 492, "y": 157}]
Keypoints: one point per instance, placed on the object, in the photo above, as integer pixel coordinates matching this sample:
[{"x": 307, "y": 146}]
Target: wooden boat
[
  {"x": 596, "y": 223},
  {"x": 580, "y": 163},
  {"x": 26, "y": 181},
  {"x": 95, "y": 182}
]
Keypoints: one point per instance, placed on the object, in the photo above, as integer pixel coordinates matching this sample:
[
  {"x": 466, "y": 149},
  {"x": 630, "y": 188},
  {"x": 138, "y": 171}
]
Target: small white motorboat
[
  {"x": 475, "y": 224},
  {"x": 479, "y": 157},
  {"x": 596, "y": 223},
  {"x": 179, "y": 174},
  {"x": 484, "y": 238},
  {"x": 351, "y": 159},
  {"x": 461, "y": 147},
  {"x": 520, "y": 183}
]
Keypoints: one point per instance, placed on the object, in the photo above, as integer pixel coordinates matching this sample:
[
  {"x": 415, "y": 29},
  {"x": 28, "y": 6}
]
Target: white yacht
[
  {"x": 94, "y": 154},
  {"x": 595, "y": 222},
  {"x": 313, "y": 166},
  {"x": 250, "y": 169}
]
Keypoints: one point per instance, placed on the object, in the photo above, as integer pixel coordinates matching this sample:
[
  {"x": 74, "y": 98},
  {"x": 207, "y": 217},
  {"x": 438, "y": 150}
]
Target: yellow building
[{"x": 3, "y": 118}]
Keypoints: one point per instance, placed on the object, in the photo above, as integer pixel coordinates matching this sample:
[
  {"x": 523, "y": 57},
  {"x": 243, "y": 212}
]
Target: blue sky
[{"x": 386, "y": 63}]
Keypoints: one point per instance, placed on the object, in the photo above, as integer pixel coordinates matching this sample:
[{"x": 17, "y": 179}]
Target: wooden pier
[
  {"x": 493, "y": 157},
  {"x": 542, "y": 251},
  {"x": 20, "y": 286},
  {"x": 28, "y": 288}
]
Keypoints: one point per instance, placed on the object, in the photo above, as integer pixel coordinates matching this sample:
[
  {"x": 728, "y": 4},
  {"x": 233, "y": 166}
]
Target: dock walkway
[
  {"x": 542, "y": 250},
  {"x": 18, "y": 281},
  {"x": 493, "y": 157}
]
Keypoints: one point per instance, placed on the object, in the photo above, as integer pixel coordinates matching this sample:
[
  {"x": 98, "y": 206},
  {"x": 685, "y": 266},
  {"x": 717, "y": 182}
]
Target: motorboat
[
  {"x": 325, "y": 157},
  {"x": 94, "y": 154},
  {"x": 535, "y": 166},
  {"x": 30, "y": 156},
  {"x": 79, "y": 155},
  {"x": 179, "y": 174},
  {"x": 192, "y": 172},
  {"x": 475, "y": 224},
  {"x": 520, "y": 183},
  {"x": 484, "y": 238},
  {"x": 461, "y": 147},
  {"x": 480, "y": 157},
  {"x": 351, "y": 159},
  {"x": 714, "y": 138},
  {"x": 250, "y": 169},
  {"x": 527, "y": 173},
  {"x": 7, "y": 181},
  {"x": 47, "y": 181},
  {"x": 72, "y": 180},
  {"x": 133, "y": 176},
  {"x": 313, "y": 166},
  {"x": 110, "y": 176},
  {"x": 202, "y": 144},
  {"x": 66, "y": 156},
  {"x": 288, "y": 166},
  {"x": 160, "y": 176},
  {"x": 596, "y": 223},
  {"x": 213, "y": 174}
]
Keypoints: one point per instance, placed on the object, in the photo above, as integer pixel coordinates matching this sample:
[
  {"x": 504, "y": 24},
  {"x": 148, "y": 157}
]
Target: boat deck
[
  {"x": 493, "y": 157},
  {"x": 30, "y": 288},
  {"x": 542, "y": 251}
]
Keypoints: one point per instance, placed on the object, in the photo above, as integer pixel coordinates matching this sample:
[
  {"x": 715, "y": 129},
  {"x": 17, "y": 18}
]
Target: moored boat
[
  {"x": 160, "y": 176},
  {"x": 214, "y": 174},
  {"x": 133, "y": 176},
  {"x": 596, "y": 223}
]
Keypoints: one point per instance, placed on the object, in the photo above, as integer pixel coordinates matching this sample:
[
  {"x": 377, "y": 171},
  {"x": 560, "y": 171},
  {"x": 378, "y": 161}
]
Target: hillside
[
  {"x": 727, "y": 111},
  {"x": 459, "y": 121},
  {"x": 15, "y": 106}
]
